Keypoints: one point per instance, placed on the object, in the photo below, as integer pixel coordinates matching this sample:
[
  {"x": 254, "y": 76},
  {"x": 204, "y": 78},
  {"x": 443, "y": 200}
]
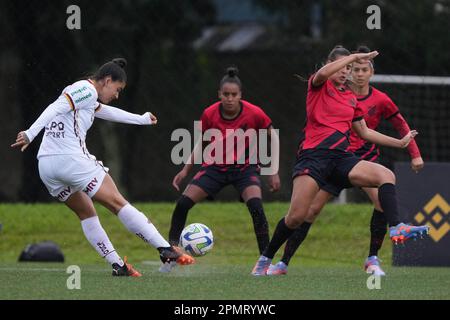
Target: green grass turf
[{"x": 328, "y": 265}]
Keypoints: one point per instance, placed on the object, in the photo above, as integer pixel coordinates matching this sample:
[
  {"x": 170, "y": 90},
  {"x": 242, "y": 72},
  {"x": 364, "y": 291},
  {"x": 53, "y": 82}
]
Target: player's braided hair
[
  {"x": 231, "y": 77},
  {"x": 113, "y": 69}
]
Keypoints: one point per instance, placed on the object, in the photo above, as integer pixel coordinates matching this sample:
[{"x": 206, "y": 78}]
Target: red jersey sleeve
[
  {"x": 264, "y": 122},
  {"x": 359, "y": 113},
  {"x": 400, "y": 124},
  {"x": 390, "y": 109},
  {"x": 313, "y": 87}
]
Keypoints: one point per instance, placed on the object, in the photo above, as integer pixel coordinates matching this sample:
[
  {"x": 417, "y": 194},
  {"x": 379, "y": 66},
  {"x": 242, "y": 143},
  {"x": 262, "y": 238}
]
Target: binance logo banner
[
  {"x": 436, "y": 214},
  {"x": 424, "y": 198}
]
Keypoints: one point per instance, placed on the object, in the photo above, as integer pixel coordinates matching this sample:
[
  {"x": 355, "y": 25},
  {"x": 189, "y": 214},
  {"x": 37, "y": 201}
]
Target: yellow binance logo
[{"x": 436, "y": 214}]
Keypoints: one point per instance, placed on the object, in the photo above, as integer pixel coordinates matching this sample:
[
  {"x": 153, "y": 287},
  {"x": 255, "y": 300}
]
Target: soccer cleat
[
  {"x": 402, "y": 232},
  {"x": 175, "y": 254},
  {"x": 261, "y": 266},
  {"x": 277, "y": 269},
  {"x": 372, "y": 266},
  {"x": 172, "y": 256},
  {"x": 126, "y": 270}
]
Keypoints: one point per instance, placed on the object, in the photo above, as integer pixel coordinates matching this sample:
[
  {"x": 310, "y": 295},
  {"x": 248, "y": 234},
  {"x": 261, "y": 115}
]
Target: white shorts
[{"x": 67, "y": 174}]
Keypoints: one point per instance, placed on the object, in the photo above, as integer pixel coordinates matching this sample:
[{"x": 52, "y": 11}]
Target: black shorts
[
  {"x": 213, "y": 178},
  {"x": 327, "y": 167},
  {"x": 336, "y": 189}
]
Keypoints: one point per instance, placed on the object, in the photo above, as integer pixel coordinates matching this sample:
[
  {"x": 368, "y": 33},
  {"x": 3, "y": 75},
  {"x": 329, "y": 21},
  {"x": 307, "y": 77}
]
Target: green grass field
[{"x": 328, "y": 265}]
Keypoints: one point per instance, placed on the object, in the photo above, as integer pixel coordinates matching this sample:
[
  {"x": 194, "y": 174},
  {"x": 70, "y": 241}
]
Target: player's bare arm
[
  {"x": 360, "y": 127},
  {"x": 331, "y": 68}
]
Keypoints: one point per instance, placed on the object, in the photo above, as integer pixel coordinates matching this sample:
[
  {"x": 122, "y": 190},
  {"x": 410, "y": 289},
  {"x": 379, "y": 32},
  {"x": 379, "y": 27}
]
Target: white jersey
[
  {"x": 65, "y": 165},
  {"x": 67, "y": 121}
]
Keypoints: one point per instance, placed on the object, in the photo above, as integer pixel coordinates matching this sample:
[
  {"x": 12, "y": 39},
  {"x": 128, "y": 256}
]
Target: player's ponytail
[
  {"x": 113, "y": 69},
  {"x": 231, "y": 77},
  {"x": 121, "y": 62}
]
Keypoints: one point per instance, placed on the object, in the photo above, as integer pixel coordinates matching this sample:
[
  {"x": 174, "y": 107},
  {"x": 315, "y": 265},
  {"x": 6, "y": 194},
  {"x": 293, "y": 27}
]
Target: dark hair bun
[
  {"x": 121, "y": 62},
  {"x": 363, "y": 49},
  {"x": 232, "y": 71}
]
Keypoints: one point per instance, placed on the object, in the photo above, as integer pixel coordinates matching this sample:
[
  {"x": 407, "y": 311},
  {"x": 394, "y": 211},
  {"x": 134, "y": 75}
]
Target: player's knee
[
  {"x": 386, "y": 176},
  {"x": 254, "y": 205},
  {"x": 116, "y": 202},
  {"x": 184, "y": 202},
  {"x": 293, "y": 222},
  {"x": 295, "y": 217},
  {"x": 313, "y": 212}
]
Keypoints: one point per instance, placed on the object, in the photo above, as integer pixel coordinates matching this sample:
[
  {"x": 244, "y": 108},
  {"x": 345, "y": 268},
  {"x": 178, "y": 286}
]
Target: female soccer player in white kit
[{"x": 74, "y": 176}]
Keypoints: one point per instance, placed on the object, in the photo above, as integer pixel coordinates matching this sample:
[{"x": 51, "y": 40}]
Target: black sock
[
  {"x": 388, "y": 202},
  {"x": 294, "y": 241},
  {"x": 260, "y": 224},
  {"x": 281, "y": 234},
  {"x": 378, "y": 229},
  {"x": 179, "y": 216}
]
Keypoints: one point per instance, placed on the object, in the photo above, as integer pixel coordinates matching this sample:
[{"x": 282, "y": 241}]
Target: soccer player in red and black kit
[
  {"x": 231, "y": 112},
  {"x": 376, "y": 106},
  {"x": 331, "y": 111}
]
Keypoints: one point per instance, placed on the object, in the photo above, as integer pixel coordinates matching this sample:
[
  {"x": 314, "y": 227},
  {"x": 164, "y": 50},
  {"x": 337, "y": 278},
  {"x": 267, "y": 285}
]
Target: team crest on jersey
[
  {"x": 372, "y": 110},
  {"x": 330, "y": 92},
  {"x": 352, "y": 102}
]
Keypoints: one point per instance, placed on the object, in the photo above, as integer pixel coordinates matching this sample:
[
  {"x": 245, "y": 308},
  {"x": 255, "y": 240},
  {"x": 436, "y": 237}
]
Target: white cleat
[{"x": 376, "y": 271}]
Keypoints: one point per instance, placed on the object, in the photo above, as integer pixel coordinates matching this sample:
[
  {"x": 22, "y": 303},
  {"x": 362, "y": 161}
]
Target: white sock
[
  {"x": 98, "y": 238},
  {"x": 136, "y": 222}
]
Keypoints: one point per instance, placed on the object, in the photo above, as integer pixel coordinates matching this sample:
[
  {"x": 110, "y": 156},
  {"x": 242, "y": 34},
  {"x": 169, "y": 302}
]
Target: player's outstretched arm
[
  {"x": 402, "y": 127},
  {"x": 114, "y": 114},
  {"x": 361, "y": 129},
  {"x": 331, "y": 68},
  {"x": 24, "y": 138}
]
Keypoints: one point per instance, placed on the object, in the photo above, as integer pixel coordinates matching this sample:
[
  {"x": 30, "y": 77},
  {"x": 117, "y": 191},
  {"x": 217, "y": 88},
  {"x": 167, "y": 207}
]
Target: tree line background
[{"x": 177, "y": 55}]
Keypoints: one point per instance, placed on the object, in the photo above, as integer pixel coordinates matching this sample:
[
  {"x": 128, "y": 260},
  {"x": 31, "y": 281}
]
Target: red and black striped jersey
[
  {"x": 329, "y": 115},
  {"x": 249, "y": 117},
  {"x": 377, "y": 105}
]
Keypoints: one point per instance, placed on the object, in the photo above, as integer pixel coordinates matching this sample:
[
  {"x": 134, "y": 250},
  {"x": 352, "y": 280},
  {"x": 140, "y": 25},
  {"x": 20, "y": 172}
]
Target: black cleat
[{"x": 126, "y": 270}]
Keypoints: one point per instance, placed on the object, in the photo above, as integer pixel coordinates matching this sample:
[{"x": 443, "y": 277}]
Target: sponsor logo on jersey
[
  {"x": 59, "y": 126},
  {"x": 83, "y": 98},
  {"x": 78, "y": 91},
  {"x": 55, "y": 135}
]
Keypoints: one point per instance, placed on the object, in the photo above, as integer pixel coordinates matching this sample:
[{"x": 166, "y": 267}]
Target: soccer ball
[{"x": 196, "y": 239}]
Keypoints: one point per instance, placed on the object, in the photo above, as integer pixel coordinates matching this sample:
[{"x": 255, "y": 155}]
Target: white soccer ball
[{"x": 197, "y": 239}]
